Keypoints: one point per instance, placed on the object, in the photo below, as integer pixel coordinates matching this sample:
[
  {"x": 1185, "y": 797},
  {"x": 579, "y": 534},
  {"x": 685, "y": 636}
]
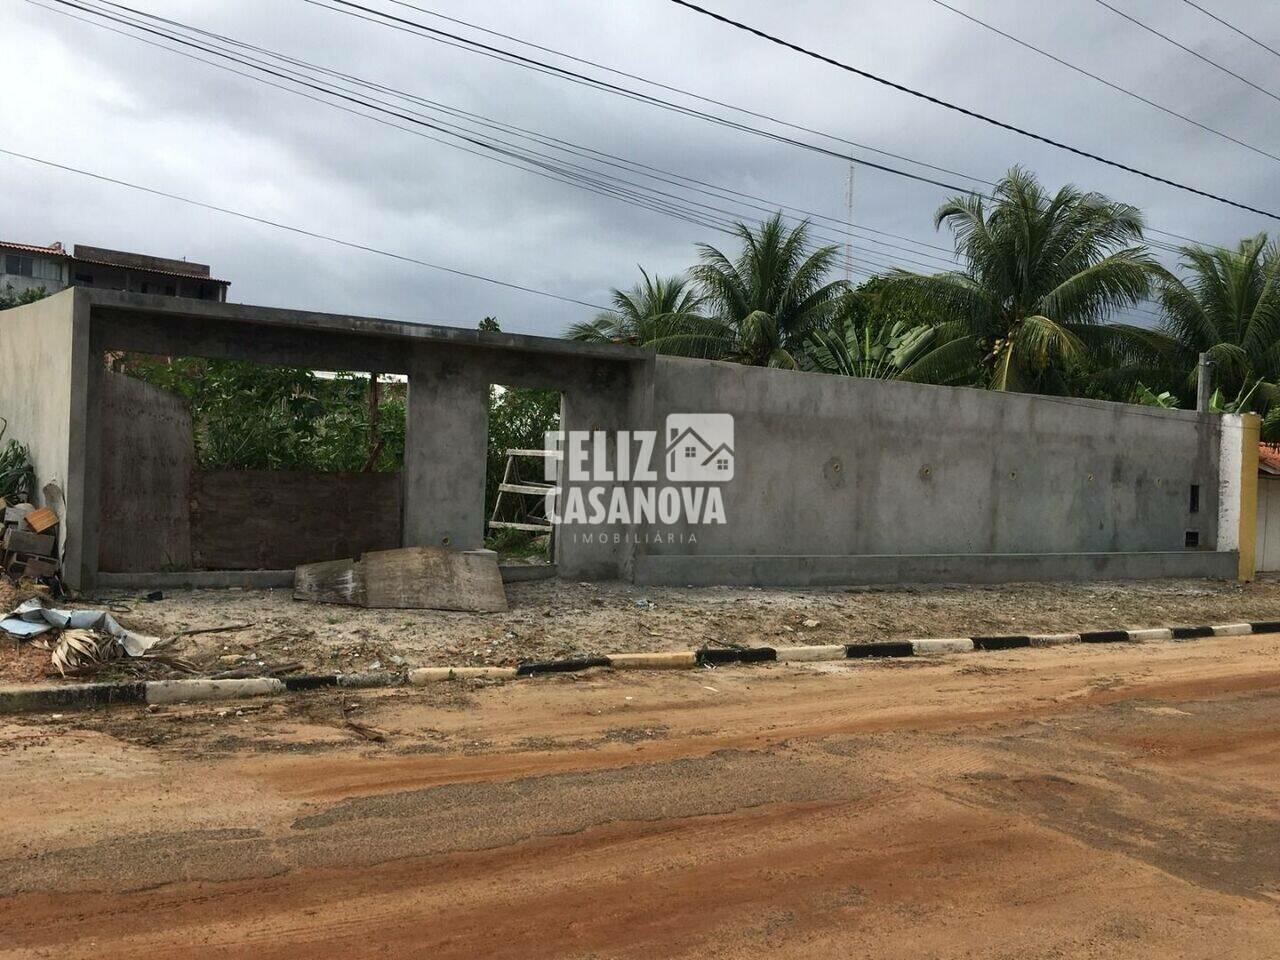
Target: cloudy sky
[{"x": 82, "y": 96}]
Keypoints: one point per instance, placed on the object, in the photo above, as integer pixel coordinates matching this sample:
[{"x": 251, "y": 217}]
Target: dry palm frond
[
  {"x": 78, "y": 650},
  {"x": 169, "y": 660}
]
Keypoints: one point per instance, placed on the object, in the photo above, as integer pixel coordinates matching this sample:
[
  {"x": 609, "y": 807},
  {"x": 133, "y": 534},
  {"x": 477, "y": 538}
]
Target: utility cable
[
  {"x": 965, "y": 111},
  {"x": 1181, "y": 46},
  {"x": 1105, "y": 82},
  {"x": 315, "y": 235}
]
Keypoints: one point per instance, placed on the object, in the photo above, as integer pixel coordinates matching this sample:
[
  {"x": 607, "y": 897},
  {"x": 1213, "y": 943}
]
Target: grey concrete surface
[
  {"x": 445, "y": 456},
  {"x": 837, "y": 480},
  {"x": 837, "y": 571},
  {"x": 36, "y": 351},
  {"x": 43, "y": 396},
  {"x": 194, "y": 580},
  {"x": 839, "y": 466},
  {"x": 148, "y": 461}
]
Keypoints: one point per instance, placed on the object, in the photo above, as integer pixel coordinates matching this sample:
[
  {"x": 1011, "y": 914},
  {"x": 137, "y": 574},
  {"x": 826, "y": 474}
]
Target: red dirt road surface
[{"x": 1090, "y": 801}]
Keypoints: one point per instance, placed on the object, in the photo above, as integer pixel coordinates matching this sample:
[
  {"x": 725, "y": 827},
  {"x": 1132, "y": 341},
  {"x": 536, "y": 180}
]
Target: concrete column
[
  {"x": 607, "y": 400},
  {"x": 1238, "y": 489},
  {"x": 1204, "y": 383},
  {"x": 447, "y": 430},
  {"x": 84, "y": 455},
  {"x": 1251, "y": 430}
]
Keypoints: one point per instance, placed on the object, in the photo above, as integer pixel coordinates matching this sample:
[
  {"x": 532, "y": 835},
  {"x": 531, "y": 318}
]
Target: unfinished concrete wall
[
  {"x": 838, "y": 480},
  {"x": 277, "y": 519},
  {"x": 35, "y": 394},
  {"x": 159, "y": 513},
  {"x": 43, "y": 398},
  {"x": 446, "y": 447},
  {"x": 148, "y": 460},
  {"x": 838, "y": 467},
  {"x": 447, "y": 439}
]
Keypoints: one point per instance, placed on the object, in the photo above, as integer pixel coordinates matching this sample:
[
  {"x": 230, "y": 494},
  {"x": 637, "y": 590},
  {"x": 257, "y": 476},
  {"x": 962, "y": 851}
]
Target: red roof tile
[
  {"x": 1269, "y": 457},
  {"x": 33, "y": 248},
  {"x": 167, "y": 273}
]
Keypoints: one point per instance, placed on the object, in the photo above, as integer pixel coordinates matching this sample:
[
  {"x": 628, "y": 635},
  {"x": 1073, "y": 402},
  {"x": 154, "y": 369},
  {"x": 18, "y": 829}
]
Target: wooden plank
[
  {"x": 553, "y": 454},
  {"x": 37, "y": 567},
  {"x": 511, "y": 525},
  {"x": 24, "y": 541},
  {"x": 42, "y": 519},
  {"x": 537, "y": 489},
  {"x": 334, "y": 581},
  {"x": 433, "y": 578}
]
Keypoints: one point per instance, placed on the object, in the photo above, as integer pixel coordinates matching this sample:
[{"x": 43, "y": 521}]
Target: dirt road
[{"x": 1085, "y": 801}]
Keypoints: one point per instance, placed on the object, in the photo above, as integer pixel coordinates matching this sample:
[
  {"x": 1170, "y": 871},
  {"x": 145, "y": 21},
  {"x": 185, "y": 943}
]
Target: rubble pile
[{"x": 29, "y": 542}]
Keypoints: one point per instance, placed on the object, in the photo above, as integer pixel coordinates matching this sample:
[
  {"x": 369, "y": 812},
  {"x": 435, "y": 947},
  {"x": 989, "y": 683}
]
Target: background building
[{"x": 25, "y": 266}]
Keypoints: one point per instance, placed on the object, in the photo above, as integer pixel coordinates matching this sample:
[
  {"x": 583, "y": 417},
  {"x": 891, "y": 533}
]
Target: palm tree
[
  {"x": 1228, "y": 306},
  {"x": 658, "y": 312},
  {"x": 1042, "y": 273},
  {"x": 766, "y": 301}
]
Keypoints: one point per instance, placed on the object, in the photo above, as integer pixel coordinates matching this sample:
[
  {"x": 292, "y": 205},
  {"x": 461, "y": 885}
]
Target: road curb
[{"x": 47, "y": 698}]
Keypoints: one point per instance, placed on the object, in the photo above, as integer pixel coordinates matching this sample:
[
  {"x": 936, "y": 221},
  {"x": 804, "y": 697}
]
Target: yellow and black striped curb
[{"x": 54, "y": 697}]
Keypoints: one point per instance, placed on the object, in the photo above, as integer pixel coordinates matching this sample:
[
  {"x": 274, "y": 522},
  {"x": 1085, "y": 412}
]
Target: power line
[
  {"x": 622, "y": 188},
  {"x": 937, "y": 101},
  {"x": 1105, "y": 82},
  {"x": 445, "y": 38},
  {"x": 745, "y": 111},
  {"x": 1183, "y": 47},
  {"x": 506, "y": 56},
  {"x": 1232, "y": 27},
  {"x": 351, "y": 244},
  {"x": 559, "y": 175},
  {"x": 320, "y": 236}
]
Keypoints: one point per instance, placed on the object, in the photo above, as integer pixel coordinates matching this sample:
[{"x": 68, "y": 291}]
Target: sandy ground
[
  {"x": 553, "y": 619},
  {"x": 1091, "y": 801}
]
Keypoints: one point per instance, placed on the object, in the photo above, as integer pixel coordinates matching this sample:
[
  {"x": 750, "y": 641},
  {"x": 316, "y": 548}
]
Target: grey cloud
[{"x": 147, "y": 116}]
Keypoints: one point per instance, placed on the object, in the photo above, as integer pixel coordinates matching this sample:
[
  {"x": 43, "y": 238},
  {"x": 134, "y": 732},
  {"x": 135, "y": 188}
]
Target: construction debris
[
  {"x": 29, "y": 541},
  {"x": 426, "y": 578},
  {"x": 77, "y": 639},
  {"x": 76, "y": 650}
]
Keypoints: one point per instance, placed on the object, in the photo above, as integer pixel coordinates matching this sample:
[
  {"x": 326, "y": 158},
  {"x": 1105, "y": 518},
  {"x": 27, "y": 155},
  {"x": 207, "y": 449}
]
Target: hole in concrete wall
[
  {"x": 1192, "y": 538},
  {"x": 1195, "y": 498},
  {"x": 519, "y": 473},
  {"x": 235, "y": 465}
]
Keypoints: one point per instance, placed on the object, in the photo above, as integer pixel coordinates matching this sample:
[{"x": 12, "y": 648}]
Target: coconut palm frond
[{"x": 78, "y": 650}]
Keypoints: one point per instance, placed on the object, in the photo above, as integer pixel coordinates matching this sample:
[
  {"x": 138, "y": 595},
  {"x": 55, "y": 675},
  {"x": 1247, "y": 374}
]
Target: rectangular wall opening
[
  {"x": 235, "y": 465},
  {"x": 519, "y": 472},
  {"x": 1195, "y": 498}
]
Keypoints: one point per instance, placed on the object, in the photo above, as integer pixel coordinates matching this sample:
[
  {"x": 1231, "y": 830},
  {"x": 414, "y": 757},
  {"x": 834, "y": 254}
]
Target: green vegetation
[
  {"x": 1040, "y": 274},
  {"x": 10, "y": 298},
  {"x": 17, "y": 475},
  {"x": 1030, "y": 307},
  {"x": 659, "y": 312},
  {"x": 519, "y": 418},
  {"x": 1226, "y": 305},
  {"x": 252, "y": 416}
]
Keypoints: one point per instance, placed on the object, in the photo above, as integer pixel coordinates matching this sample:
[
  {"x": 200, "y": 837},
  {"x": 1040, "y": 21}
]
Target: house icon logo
[{"x": 699, "y": 447}]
